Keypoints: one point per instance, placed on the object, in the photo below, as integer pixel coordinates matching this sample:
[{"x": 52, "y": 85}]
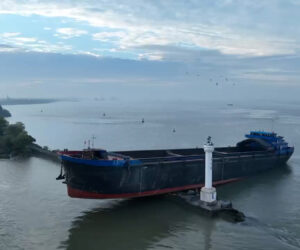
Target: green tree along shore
[
  {"x": 14, "y": 140},
  {"x": 4, "y": 112}
]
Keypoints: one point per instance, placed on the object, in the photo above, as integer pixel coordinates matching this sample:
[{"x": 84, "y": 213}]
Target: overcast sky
[{"x": 181, "y": 49}]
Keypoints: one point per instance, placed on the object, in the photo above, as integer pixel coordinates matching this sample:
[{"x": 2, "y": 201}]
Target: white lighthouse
[{"x": 208, "y": 192}]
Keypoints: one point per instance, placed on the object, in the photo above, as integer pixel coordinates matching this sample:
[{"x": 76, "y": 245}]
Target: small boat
[{"x": 99, "y": 174}]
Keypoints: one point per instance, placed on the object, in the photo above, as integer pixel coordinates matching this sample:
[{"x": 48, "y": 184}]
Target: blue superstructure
[{"x": 276, "y": 142}]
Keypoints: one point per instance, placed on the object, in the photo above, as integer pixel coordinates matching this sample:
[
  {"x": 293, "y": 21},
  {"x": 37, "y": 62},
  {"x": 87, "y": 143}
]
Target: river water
[{"x": 36, "y": 213}]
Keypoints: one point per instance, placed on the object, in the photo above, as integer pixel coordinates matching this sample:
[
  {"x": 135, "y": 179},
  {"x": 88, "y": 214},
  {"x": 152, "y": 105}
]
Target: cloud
[
  {"x": 257, "y": 27},
  {"x": 248, "y": 41},
  {"x": 155, "y": 56},
  {"x": 88, "y": 53},
  {"x": 25, "y": 39},
  {"x": 10, "y": 34},
  {"x": 109, "y": 36},
  {"x": 14, "y": 42},
  {"x": 58, "y": 66},
  {"x": 204, "y": 65},
  {"x": 67, "y": 33},
  {"x": 15, "y": 36},
  {"x": 7, "y": 48},
  {"x": 89, "y": 76}
]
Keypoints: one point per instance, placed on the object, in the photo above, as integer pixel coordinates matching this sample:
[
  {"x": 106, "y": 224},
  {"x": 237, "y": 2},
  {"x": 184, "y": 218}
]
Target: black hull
[{"x": 86, "y": 181}]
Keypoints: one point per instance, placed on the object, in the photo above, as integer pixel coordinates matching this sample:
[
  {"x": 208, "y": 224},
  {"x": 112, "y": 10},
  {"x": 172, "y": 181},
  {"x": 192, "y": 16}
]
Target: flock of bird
[
  {"x": 211, "y": 80},
  {"x": 226, "y": 81},
  {"x": 217, "y": 82}
]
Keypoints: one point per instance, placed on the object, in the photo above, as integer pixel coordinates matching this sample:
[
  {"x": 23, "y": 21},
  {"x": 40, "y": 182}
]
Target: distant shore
[
  {"x": 22, "y": 101},
  {"x": 27, "y": 101}
]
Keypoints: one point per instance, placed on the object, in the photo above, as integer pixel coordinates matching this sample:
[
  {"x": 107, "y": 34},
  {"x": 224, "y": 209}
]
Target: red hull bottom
[{"x": 76, "y": 193}]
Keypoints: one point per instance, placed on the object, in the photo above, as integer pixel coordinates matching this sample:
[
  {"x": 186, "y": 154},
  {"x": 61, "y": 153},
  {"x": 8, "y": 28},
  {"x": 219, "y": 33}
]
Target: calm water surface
[{"x": 36, "y": 213}]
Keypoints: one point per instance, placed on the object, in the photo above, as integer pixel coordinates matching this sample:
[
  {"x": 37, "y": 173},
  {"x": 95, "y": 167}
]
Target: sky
[{"x": 150, "y": 49}]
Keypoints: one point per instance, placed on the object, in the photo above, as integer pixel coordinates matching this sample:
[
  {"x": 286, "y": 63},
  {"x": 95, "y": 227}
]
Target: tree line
[
  {"x": 14, "y": 139},
  {"x": 4, "y": 112}
]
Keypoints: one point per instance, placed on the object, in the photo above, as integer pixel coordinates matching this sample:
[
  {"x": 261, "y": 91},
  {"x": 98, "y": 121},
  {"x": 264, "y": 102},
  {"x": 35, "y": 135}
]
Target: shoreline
[
  {"x": 29, "y": 150},
  {"x": 46, "y": 154},
  {"x": 36, "y": 151}
]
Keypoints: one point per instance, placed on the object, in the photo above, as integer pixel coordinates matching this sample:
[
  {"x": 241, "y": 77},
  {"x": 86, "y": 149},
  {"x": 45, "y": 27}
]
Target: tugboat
[{"x": 99, "y": 174}]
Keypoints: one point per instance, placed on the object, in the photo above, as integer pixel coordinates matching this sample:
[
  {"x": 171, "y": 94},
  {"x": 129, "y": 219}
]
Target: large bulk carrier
[{"x": 98, "y": 174}]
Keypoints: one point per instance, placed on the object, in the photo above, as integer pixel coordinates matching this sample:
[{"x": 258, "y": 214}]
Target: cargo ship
[{"x": 99, "y": 174}]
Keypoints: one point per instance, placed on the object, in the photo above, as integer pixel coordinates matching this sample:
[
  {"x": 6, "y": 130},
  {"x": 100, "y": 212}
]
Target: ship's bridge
[{"x": 276, "y": 142}]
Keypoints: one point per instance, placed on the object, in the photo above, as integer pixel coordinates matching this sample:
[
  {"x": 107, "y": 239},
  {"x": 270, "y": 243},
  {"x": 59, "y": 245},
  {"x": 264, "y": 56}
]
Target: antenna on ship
[
  {"x": 93, "y": 140},
  {"x": 273, "y": 118}
]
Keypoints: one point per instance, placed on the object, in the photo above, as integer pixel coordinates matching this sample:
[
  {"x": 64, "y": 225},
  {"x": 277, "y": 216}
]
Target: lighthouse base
[
  {"x": 220, "y": 208},
  {"x": 208, "y": 195}
]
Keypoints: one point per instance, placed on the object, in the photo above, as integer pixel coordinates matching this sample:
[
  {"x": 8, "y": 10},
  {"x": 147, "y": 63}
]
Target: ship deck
[{"x": 148, "y": 156}]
